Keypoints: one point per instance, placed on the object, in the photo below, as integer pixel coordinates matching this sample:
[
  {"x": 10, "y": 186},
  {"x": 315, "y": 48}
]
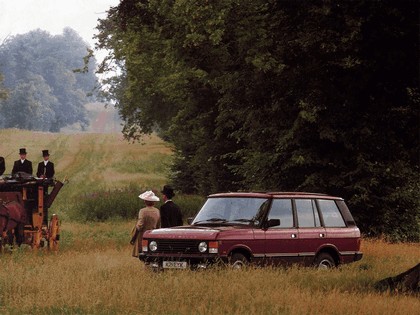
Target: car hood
[{"x": 189, "y": 232}]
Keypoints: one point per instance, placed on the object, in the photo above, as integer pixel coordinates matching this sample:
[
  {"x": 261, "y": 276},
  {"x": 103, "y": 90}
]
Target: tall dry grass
[{"x": 95, "y": 274}]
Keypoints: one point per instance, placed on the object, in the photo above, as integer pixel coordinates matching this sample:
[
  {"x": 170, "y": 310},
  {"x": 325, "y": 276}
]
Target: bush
[
  {"x": 124, "y": 203},
  {"x": 104, "y": 205},
  {"x": 189, "y": 204}
]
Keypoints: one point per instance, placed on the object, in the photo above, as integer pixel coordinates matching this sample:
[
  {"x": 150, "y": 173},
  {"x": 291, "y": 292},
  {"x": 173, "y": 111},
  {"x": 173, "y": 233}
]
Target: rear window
[{"x": 330, "y": 213}]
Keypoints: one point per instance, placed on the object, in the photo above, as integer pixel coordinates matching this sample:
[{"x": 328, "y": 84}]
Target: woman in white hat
[{"x": 149, "y": 219}]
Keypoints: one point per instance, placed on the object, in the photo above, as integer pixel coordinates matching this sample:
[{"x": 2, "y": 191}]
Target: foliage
[
  {"x": 101, "y": 206},
  {"x": 319, "y": 96},
  {"x": 47, "y": 89},
  {"x": 3, "y": 91},
  {"x": 104, "y": 205}
]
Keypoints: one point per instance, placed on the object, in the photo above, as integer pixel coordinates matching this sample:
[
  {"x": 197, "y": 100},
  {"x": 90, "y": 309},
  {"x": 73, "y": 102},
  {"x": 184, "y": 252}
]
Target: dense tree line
[
  {"x": 318, "y": 96},
  {"x": 46, "y": 83}
]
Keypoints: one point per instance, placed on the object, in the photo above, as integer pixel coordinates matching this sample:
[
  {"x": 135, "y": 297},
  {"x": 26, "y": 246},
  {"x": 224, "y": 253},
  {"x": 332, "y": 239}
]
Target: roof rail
[{"x": 295, "y": 193}]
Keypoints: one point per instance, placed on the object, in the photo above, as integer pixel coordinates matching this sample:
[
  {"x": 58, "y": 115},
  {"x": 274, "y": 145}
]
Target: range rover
[{"x": 269, "y": 228}]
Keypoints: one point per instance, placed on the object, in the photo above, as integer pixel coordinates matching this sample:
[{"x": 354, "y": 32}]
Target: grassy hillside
[
  {"x": 91, "y": 161},
  {"x": 94, "y": 273}
]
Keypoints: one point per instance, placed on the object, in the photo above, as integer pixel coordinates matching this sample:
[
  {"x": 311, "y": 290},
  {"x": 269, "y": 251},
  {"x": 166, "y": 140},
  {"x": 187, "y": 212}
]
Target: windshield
[{"x": 238, "y": 210}]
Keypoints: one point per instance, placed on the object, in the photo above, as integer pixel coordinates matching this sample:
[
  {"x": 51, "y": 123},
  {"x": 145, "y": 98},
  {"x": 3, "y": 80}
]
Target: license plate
[{"x": 174, "y": 264}]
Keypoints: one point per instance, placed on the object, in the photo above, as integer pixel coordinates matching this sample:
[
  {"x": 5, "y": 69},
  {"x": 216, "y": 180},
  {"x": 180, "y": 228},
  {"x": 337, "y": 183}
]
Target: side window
[
  {"x": 282, "y": 209},
  {"x": 331, "y": 214},
  {"x": 307, "y": 213}
]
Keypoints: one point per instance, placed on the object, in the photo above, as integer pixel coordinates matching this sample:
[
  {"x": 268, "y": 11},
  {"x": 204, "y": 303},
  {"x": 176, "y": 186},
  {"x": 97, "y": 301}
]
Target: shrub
[
  {"x": 124, "y": 203},
  {"x": 107, "y": 204}
]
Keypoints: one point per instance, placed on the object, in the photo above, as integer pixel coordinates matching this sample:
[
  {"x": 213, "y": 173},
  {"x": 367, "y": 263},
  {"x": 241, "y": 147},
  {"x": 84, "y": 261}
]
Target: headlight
[
  {"x": 153, "y": 246},
  {"x": 202, "y": 247}
]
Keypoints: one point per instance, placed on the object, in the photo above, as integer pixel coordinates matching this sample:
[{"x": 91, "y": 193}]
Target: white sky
[{"x": 22, "y": 16}]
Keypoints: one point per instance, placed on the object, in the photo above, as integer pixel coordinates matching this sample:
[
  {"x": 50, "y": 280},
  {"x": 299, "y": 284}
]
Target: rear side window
[
  {"x": 282, "y": 209},
  {"x": 330, "y": 213},
  {"x": 307, "y": 213}
]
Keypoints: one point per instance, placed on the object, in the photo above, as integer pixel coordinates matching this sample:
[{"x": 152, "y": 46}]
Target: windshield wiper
[
  {"x": 212, "y": 220},
  {"x": 243, "y": 220}
]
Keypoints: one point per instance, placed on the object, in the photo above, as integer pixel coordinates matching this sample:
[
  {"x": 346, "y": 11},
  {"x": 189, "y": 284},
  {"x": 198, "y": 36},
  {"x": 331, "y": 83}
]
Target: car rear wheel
[
  {"x": 324, "y": 261},
  {"x": 238, "y": 261}
]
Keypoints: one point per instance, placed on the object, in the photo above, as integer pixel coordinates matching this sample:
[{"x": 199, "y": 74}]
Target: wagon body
[{"x": 36, "y": 196}]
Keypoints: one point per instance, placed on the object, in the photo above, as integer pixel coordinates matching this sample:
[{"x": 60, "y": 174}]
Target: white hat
[{"x": 149, "y": 196}]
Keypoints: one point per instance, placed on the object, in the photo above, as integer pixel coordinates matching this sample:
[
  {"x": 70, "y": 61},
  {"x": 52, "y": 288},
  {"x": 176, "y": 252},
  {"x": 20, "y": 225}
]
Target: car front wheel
[
  {"x": 324, "y": 261},
  {"x": 238, "y": 261}
]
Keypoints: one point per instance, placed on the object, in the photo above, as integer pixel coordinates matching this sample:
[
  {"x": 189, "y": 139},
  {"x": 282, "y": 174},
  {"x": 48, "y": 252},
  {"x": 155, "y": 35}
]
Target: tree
[
  {"x": 319, "y": 96},
  {"x": 41, "y": 68},
  {"x": 30, "y": 106}
]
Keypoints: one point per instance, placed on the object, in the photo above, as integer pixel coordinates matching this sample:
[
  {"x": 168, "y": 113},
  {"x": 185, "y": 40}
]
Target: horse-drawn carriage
[{"x": 24, "y": 204}]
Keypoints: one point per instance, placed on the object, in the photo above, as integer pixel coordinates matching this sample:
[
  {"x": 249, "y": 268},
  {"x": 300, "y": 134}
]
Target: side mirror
[
  {"x": 273, "y": 222},
  {"x": 189, "y": 220}
]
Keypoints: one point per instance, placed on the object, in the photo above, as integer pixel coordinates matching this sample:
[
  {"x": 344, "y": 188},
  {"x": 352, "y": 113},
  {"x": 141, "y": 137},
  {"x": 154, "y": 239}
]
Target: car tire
[
  {"x": 238, "y": 261},
  {"x": 324, "y": 261}
]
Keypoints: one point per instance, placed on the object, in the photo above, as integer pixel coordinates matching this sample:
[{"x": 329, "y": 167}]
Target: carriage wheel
[{"x": 53, "y": 233}]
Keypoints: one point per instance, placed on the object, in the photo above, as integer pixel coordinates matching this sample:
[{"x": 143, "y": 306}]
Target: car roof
[{"x": 274, "y": 194}]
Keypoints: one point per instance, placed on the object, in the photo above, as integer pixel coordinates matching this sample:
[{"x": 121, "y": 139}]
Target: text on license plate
[{"x": 175, "y": 264}]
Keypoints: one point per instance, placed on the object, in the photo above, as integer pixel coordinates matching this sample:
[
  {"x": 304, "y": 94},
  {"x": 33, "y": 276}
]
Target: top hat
[
  {"x": 22, "y": 151},
  {"x": 149, "y": 196},
  {"x": 45, "y": 153},
  {"x": 168, "y": 191}
]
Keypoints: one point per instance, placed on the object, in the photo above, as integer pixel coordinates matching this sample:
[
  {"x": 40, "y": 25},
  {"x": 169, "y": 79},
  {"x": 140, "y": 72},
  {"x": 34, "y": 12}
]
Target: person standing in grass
[
  {"x": 148, "y": 219},
  {"x": 170, "y": 213}
]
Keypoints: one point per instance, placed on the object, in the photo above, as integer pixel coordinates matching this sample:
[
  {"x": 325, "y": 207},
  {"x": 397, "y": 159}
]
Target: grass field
[{"x": 94, "y": 273}]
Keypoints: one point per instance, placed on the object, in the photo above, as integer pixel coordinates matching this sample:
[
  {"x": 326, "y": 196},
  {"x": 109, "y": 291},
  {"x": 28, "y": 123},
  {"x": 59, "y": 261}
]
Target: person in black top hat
[
  {"x": 22, "y": 165},
  {"x": 46, "y": 167},
  {"x": 170, "y": 213},
  {"x": 2, "y": 165}
]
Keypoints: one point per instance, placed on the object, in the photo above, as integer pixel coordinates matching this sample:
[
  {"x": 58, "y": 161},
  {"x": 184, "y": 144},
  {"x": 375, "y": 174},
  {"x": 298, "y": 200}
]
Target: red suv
[{"x": 259, "y": 228}]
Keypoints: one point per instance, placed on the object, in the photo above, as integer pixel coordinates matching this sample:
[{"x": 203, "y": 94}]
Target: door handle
[
  {"x": 321, "y": 234},
  {"x": 293, "y": 235}
]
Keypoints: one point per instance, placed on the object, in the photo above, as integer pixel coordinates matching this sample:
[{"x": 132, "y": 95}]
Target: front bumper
[{"x": 193, "y": 260}]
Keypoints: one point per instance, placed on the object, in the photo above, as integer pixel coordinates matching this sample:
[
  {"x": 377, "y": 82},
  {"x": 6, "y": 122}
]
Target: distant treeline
[
  {"x": 318, "y": 96},
  {"x": 43, "y": 82}
]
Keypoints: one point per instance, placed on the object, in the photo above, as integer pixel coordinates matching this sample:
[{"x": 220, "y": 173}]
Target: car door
[
  {"x": 281, "y": 241},
  {"x": 344, "y": 238},
  {"x": 311, "y": 235}
]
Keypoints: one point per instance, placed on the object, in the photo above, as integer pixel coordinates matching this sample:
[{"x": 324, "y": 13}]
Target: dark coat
[
  {"x": 26, "y": 167},
  {"x": 48, "y": 170},
  {"x": 2, "y": 165},
  {"x": 170, "y": 214}
]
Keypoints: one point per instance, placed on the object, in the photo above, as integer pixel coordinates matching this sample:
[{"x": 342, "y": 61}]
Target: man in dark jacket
[
  {"x": 22, "y": 165},
  {"x": 170, "y": 213},
  {"x": 46, "y": 167}
]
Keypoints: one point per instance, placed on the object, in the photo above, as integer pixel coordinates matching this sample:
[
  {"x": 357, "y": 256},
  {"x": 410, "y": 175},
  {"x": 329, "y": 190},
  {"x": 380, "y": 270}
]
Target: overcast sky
[{"x": 22, "y": 16}]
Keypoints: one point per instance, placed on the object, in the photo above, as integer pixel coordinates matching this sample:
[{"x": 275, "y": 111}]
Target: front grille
[{"x": 177, "y": 246}]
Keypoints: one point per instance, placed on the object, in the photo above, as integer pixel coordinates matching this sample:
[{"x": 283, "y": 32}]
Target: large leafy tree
[
  {"x": 42, "y": 72},
  {"x": 320, "y": 96}
]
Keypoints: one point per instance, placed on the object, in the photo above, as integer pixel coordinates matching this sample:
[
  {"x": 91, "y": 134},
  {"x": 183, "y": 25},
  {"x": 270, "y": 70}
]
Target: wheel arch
[
  {"x": 244, "y": 250},
  {"x": 332, "y": 251}
]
